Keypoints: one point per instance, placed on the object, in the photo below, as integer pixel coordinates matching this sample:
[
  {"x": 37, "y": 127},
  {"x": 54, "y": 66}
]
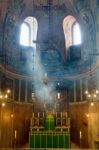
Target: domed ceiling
[{"x": 50, "y": 44}]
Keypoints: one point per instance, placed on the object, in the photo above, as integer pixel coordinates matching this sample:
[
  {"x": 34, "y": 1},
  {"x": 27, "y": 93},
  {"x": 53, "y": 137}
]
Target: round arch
[
  {"x": 68, "y": 23},
  {"x": 33, "y": 27}
]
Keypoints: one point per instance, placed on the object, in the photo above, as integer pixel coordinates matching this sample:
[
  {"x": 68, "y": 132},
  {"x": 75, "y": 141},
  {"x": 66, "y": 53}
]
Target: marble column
[
  {"x": 26, "y": 83},
  {"x": 13, "y": 96},
  {"x": 74, "y": 90},
  {"x": 81, "y": 97},
  {"x": 19, "y": 96}
]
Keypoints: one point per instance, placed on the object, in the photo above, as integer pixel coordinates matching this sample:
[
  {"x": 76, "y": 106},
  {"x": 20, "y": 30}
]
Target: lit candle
[
  {"x": 97, "y": 91},
  {"x": 80, "y": 134},
  {"x": 95, "y": 95},
  {"x": 58, "y": 95},
  {"x": 89, "y": 95},
  {"x": 15, "y": 134}
]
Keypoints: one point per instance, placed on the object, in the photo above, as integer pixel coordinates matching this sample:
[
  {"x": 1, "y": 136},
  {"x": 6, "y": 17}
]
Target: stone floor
[
  {"x": 73, "y": 147},
  {"x": 44, "y": 149}
]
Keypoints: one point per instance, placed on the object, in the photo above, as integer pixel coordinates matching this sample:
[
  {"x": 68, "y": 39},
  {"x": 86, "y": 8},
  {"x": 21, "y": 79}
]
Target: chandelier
[
  {"x": 92, "y": 93},
  {"x": 4, "y": 95},
  {"x": 45, "y": 79},
  {"x": 92, "y": 96}
]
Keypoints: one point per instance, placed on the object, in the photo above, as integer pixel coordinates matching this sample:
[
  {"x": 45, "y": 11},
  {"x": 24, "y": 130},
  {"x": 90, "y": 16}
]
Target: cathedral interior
[{"x": 49, "y": 74}]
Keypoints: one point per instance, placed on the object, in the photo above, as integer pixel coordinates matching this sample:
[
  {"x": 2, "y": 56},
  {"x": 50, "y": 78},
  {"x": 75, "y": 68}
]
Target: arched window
[
  {"x": 28, "y": 33},
  {"x": 71, "y": 31},
  {"x": 25, "y": 34},
  {"x": 76, "y": 34}
]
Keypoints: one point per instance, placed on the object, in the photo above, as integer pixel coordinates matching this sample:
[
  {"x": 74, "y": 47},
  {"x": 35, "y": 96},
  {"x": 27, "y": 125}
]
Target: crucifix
[
  {"x": 50, "y": 28},
  {"x": 48, "y": 9},
  {"x": 48, "y": 18}
]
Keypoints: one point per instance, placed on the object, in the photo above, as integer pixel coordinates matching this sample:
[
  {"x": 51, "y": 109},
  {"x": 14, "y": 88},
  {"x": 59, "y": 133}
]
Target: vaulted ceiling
[{"x": 13, "y": 14}]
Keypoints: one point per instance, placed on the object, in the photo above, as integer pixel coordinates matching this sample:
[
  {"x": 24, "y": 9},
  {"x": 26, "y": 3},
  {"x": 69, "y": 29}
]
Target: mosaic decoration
[{"x": 51, "y": 51}]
